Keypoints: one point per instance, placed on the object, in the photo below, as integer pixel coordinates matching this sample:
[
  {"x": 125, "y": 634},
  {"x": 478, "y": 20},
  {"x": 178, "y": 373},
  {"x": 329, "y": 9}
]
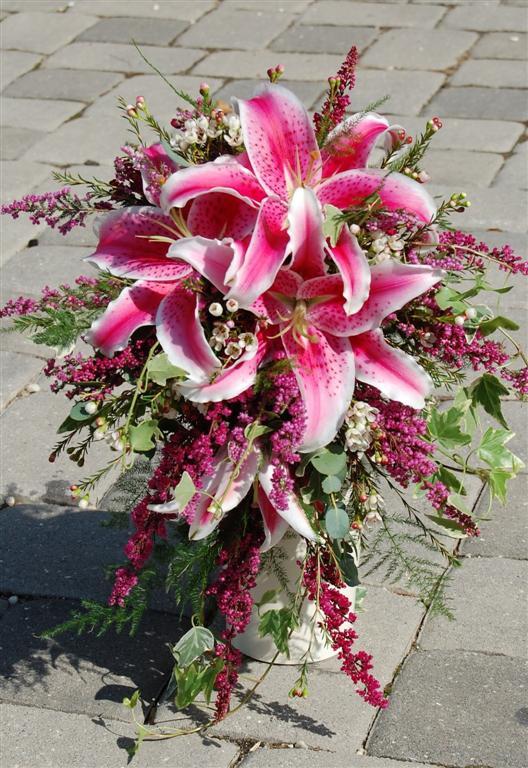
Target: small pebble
[
  {"x": 301, "y": 745},
  {"x": 10, "y": 501},
  {"x": 13, "y": 600},
  {"x": 32, "y": 388}
]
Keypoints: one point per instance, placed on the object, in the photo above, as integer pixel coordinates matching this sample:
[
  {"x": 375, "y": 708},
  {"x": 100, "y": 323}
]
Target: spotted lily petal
[
  {"x": 293, "y": 513},
  {"x": 274, "y": 525},
  {"x": 305, "y": 228},
  {"x": 210, "y": 258},
  {"x": 351, "y": 142},
  {"x": 276, "y": 305},
  {"x": 218, "y": 215},
  {"x": 354, "y": 268}
]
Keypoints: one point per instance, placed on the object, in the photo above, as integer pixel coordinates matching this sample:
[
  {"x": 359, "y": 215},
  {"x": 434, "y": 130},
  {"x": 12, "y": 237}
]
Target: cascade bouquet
[{"x": 272, "y": 312}]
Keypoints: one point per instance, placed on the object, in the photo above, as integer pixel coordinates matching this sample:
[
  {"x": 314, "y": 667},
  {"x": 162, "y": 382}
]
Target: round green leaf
[{"x": 337, "y": 523}]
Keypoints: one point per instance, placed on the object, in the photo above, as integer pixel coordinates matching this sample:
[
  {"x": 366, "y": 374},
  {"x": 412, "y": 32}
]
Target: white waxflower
[
  {"x": 247, "y": 341},
  {"x": 215, "y": 309},
  {"x": 232, "y": 305},
  {"x": 379, "y": 244},
  {"x": 359, "y": 419},
  {"x": 233, "y": 349},
  {"x": 395, "y": 244}
]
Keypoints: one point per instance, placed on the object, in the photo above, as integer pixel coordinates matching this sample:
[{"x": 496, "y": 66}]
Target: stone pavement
[{"x": 458, "y": 696}]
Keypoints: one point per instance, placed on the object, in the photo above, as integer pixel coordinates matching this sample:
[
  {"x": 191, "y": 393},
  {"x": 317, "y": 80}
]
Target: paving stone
[
  {"x": 510, "y": 103},
  {"x": 18, "y": 177},
  {"x": 33, "y": 268},
  {"x": 278, "y": 6},
  {"x": 407, "y": 90},
  {"x": 497, "y": 208},
  {"x": 299, "y": 66},
  {"x": 46, "y": 115},
  {"x": 501, "y": 45},
  {"x": 339, "y": 724},
  {"x": 491, "y": 73},
  {"x": 373, "y": 14},
  {"x": 458, "y": 133},
  {"x": 514, "y": 172},
  {"x": 144, "y": 31},
  {"x": 16, "y": 141},
  {"x": 323, "y": 39},
  {"x": 504, "y": 530},
  {"x": 83, "y": 674},
  {"x": 16, "y": 234},
  {"x": 309, "y": 93},
  {"x": 29, "y": 428},
  {"x": 456, "y": 709},
  {"x": 256, "y": 28},
  {"x": 488, "y": 18},
  {"x": 432, "y": 49},
  {"x": 42, "y": 32},
  {"x": 458, "y": 166},
  {"x": 162, "y": 101},
  {"x": 186, "y": 10},
  {"x": 33, "y": 564},
  {"x": 16, "y": 372},
  {"x": 69, "y": 84},
  {"x": 86, "y": 139},
  {"x": 492, "y": 587},
  {"x": 88, "y": 745},
  {"x": 35, "y": 5},
  {"x": 123, "y": 58},
  {"x": 266, "y": 757},
  {"x": 14, "y": 64}
]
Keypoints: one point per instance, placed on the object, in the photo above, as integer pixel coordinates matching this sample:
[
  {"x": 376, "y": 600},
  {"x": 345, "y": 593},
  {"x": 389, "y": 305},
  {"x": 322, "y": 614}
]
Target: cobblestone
[
  {"x": 373, "y": 14},
  {"x": 47, "y": 114},
  {"x": 42, "y": 32},
  {"x": 16, "y": 141},
  {"x": 304, "y": 38},
  {"x": 460, "y": 167},
  {"x": 514, "y": 173},
  {"x": 488, "y": 18},
  {"x": 309, "y": 93},
  {"x": 433, "y": 49},
  {"x": 299, "y": 66},
  {"x": 509, "y": 103},
  {"x": 501, "y": 45},
  {"x": 43, "y": 265},
  {"x": 69, "y": 84},
  {"x": 18, "y": 178},
  {"x": 114, "y": 57},
  {"x": 504, "y": 533},
  {"x": 144, "y": 31},
  {"x": 480, "y": 135},
  {"x": 407, "y": 90},
  {"x": 16, "y": 372},
  {"x": 185, "y": 10},
  {"x": 216, "y": 29},
  {"x": 14, "y": 64},
  {"x": 491, "y": 73},
  {"x": 87, "y": 139}
]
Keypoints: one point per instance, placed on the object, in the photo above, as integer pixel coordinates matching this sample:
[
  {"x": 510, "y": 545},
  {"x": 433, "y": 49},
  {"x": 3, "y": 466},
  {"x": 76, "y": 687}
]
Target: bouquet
[{"x": 272, "y": 313}]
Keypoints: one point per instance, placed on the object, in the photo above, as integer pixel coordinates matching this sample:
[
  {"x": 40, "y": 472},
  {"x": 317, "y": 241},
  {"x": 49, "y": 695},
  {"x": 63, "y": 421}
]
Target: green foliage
[
  {"x": 192, "y": 645},
  {"x": 160, "y": 370},
  {"x": 487, "y": 391},
  {"x": 445, "y": 427},
  {"x": 278, "y": 623},
  {"x": 190, "y": 564},
  {"x": 330, "y": 461},
  {"x": 142, "y": 436},
  {"x": 195, "y": 679},
  {"x": 337, "y": 523}
]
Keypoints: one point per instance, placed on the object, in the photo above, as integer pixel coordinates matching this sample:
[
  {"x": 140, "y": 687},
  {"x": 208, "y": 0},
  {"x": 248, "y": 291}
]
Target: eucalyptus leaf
[
  {"x": 331, "y": 484},
  {"x": 337, "y": 523},
  {"x": 330, "y": 461}
]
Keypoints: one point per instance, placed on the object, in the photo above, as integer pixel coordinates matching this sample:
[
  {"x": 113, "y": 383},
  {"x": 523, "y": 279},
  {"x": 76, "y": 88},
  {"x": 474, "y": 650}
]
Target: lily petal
[
  {"x": 293, "y": 514},
  {"x": 324, "y": 368},
  {"x": 274, "y": 525},
  {"x": 210, "y": 258},
  {"x": 354, "y": 268},
  {"x": 134, "y": 307},
  {"x": 396, "y": 374},
  {"x": 224, "y": 174},
  {"x": 351, "y": 142},
  {"x": 218, "y": 215},
  {"x": 280, "y": 140},
  {"x": 264, "y": 256},
  {"x": 276, "y": 305},
  {"x": 125, "y": 249},
  {"x": 306, "y": 233},
  {"x": 181, "y": 335},
  {"x": 350, "y": 188}
]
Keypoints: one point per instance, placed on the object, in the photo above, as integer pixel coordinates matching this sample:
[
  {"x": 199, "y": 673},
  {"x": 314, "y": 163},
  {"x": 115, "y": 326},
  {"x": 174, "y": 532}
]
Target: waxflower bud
[
  {"x": 215, "y": 309},
  {"x": 232, "y": 305},
  {"x": 204, "y": 89},
  {"x": 460, "y": 320},
  {"x": 84, "y": 503},
  {"x": 90, "y": 407},
  {"x": 471, "y": 313}
]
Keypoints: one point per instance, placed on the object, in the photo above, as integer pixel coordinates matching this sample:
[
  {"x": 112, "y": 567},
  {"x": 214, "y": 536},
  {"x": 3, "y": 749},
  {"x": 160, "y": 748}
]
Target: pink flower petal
[
  {"x": 134, "y": 307},
  {"x": 350, "y": 143},
  {"x": 275, "y": 526},
  {"x": 354, "y": 268},
  {"x": 224, "y": 174},
  {"x": 218, "y": 215},
  {"x": 393, "y": 285},
  {"x": 396, "y": 374},
  {"x": 306, "y": 234},
  {"x": 280, "y": 140},
  {"x": 161, "y": 165},
  {"x": 324, "y": 368},
  {"x": 350, "y": 188},
  {"x": 264, "y": 256},
  {"x": 276, "y": 305},
  {"x": 294, "y": 514},
  {"x": 181, "y": 335},
  {"x": 208, "y": 257},
  {"x": 125, "y": 249}
]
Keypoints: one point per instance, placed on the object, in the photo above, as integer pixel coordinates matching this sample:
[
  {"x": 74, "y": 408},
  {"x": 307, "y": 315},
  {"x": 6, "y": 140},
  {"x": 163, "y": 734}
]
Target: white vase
[{"x": 307, "y": 642}]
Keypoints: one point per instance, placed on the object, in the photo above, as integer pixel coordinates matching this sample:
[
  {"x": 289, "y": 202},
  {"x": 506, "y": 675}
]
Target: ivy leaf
[
  {"x": 487, "y": 391},
  {"x": 254, "y": 430},
  {"x": 337, "y": 523},
  {"x": 331, "y": 484},
  {"x": 278, "y": 623},
  {"x": 493, "y": 451},
  {"x": 445, "y": 427},
  {"x": 490, "y": 326},
  {"x": 448, "y": 298},
  {"x": 349, "y": 570},
  {"x": 132, "y": 701},
  {"x": 184, "y": 491},
  {"x": 192, "y": 645},
  {"x": 142, "y": 436},
  {"x": 330, "y": 461},
  {"x": 451, "y": 481},
  {"x": 333, "y": 223},
  {"x": 497, "y": 480},
  {"x": 456, "y": 500},
  {"x": 452, "y": 528},
  {"x": 160, "y": 370}
]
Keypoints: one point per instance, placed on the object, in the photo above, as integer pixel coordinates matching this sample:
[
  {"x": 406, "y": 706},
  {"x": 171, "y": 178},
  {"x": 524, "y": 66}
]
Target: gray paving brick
[
  {"x": 89, "y": 745},
  {"x": 309, "y": 93},
  {"x": 28, "y": 428},
  {"x": 86, "y": 139},
  {"x": 510, "y": 103},
  {"x": 458, "y": 166},
  {"x": 16, "y": 141},
  {"x": 257, "y": 27},
  {"x": 433, "y": 49},
  {"x": 407, "y": 90},
  {"x": 36, "y": 267},
  {"x": 18, "y": 177},
  {"x": 455, "y": 709},
  {"x": 15, "y": 235},
  {"x": 14, "y": 64},
  {"x": 143, "y": 30},
  {"x": 480, "y": 135},
  {"x": 115, "y": 57},
  {"x": 86, "y": 674},
  {"x": 373, "y": 14},
  {"x": 69, "y": 84},
  {"x": 299, "y": 66},
  {"x": 46, "y": 115},
  {"x": 34, "y": 5},
  {"x": 186, "y": 10},
  {"x": 504, "y": 530},
  {"x": 514, "y": 173},
  {"x": 278, "y": 6},
  {"x": 477, "y": 589},
  {"x": 16, "y": 372},
  {"x": 161, "y": 100},
  {"x": 489, "y": 18},
  {"x": 323, "y": 39},
  {"x": 491, "y": 73},
  {"x": 42, "y": 32},
  {"x": 272, "y": 757},
  {"x": 500, "y": 45},
  {"x": 492, "y": 208}
]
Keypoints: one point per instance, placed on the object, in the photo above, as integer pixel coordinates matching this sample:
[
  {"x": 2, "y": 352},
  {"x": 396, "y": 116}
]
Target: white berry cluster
[
  {"x": 359, "y": 422},
  {"x": 386, "y": 246},
  {"x": 225, "y": 337},
  {"x": 197, "y": 131}
]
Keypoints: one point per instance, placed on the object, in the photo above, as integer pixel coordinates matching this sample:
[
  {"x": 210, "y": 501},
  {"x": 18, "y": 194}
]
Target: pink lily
[
  {"x": 288, "y": 182},
  {"x": 134, "y": 244}
]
